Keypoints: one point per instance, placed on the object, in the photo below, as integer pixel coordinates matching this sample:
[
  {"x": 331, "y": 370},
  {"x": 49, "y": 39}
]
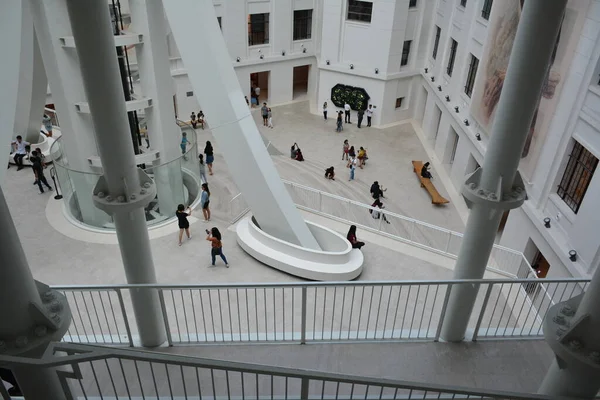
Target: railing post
[
  {"x": 381, "y": 216},
  {"x": 303, "y": 318},
  {"x": 304, "y": 388},
  {"x": 443, "y": 313},
  {"x": 483, "y": 308},
  {"x": 448, "y": 242},
  {"x": 412, "y": 232},
  {"x": 320, "y": 201},
  {"x": 125, "y": 318},
  {"x": 165, "y": 316}
]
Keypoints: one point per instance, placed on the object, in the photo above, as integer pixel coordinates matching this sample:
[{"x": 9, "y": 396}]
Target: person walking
[
  {"x": 184, "y": 142},
  {"x": 270, "y": 117},
  {"x": 360, "y": 115},
  {"x": 205, "y": 202},
  {"x": 257, "y": 93},
  {"x": 42, "y": 158},
  {"x": 201, "y": 119},
  {"x": 20, "y": 150},
  {"x": 47, "y": 121},
  {"x": 325, "y": 111},
  {"x": 345, "y": 149},
  {"x": 369, "y": 115},
  {"x": 38, "y": 170},
  {"x": 216, "y": 248},
  {"x": 264, "y": 110},
  {"x": 339, "y": 126},
  {"x": 193, "y": 120},
  {"x": 209, "y": 153},
  {"x": 184, "y": 225},
  {"x": 202, "y": 167},
  {"x": 352, "y": 166},
  {"x": 351, "y": 236},
  {"x": 377, "y": 213},
  {"x": 347, "y": 112}
]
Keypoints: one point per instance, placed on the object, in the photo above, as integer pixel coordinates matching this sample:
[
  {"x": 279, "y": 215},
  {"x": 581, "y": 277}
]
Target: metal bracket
[
  {"x": 124, "y": 202},
  {"x": 473, "y": 193}
]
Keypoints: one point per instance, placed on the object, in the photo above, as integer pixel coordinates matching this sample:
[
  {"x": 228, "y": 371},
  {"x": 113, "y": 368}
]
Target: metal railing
[
  {"x": 307, "y": 312},
  {"x": 417, "y": 233},
  {"x": 110, "y": 373}
]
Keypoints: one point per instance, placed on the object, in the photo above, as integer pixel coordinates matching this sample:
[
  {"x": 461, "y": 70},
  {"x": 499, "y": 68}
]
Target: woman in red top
[
  {"x": 352, "y": 238},
  {"x": 214, "y": 237}
]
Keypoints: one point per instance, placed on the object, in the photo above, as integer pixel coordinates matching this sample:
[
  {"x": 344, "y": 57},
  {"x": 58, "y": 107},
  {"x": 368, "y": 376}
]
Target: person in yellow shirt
[{"x": 362, "y": 153}]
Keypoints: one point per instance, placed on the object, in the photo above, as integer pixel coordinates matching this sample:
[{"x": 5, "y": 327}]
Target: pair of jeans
[
  {"x": 42, "y": 179},
  {"x": 359, "y": 121},
  {"x": 218, "y": 252},
  {"x": 351, "y": 174},
  {"x": 339, "y": 126},
  {"x": 19, "y": 159},
  {"x": 325, "y": 115},
  {"x": 347, "y": 116},
  {"x": 368, "y": 121}
]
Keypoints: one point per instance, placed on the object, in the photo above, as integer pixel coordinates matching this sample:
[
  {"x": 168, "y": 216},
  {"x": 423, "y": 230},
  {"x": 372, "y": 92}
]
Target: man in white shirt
[
  {"x": 20, "y": 150},
  {"x": 347, "y": 113},
  {"x": 369, "y": 114},
  {"x": 257, "y": 93}
]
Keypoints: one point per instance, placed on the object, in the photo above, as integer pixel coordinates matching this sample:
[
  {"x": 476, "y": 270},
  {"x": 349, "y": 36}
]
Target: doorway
[
  {"x": 300, "y": 79},
  {"x": 540, "y": 265},
  {"x": 259, "y": 83}
]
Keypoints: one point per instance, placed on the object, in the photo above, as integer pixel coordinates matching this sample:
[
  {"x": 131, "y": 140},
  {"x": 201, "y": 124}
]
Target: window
[
  {"x": 577, "y": 176},
  {"x": 220, "y": 22},
  {"x": 302, "y": 24},
  {"x": 399, "y": 102},
  {"x": 487, "y": 9},
  {"x": 360, "y": 10},
  {"x": 463, "y": 3},
  {"x": 405, "y": 52},
  {"x": 453, "y": 46},
  {"x": 412, "y": 3},
  {"x": 438, "y": 33},
  {"x": 258, "y": 29},
  {"x": 471, "y": 75},
  {"x": 189, "y": 94}
]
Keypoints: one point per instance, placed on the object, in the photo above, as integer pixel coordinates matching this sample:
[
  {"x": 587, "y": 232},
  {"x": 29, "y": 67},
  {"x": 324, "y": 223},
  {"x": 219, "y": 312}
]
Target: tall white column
[
  {"x": 26, "y": 327},
  {"x": 148, "y": 18},
  {"x": 204, "y": 53},
  {"x": 122, "y": 180},
  {"x": 498, "y": 186}
]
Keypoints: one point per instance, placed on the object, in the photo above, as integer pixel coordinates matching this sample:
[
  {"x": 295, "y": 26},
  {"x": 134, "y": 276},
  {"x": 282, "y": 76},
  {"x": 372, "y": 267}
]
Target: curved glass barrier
[{"x": 177, "y": 182}]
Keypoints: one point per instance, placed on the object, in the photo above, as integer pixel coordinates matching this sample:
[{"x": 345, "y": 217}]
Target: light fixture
[
  {"x": 440, "y": 88},
  {"x": 547, "y": 222},
  {"x": 376, "y": 70},
  {"x": 573, "y": 255},
  {"x": 455, "y": 108},
  {"x": 283, "y": 52},
  {"x": 262, "y": 56},
  {"x": 478, "y": 137},
  {"x": 433, "y": 79},
  {"x": 327, "y": 62},
  {"x": 237, "y": 59},
  {"x": 304, "y": 50},
  {"x": 447, "y": 98},
  {"x": 466, "y": 121},
  {"x": 426, "y": 69},
  {"x": 351, "y": 66}
]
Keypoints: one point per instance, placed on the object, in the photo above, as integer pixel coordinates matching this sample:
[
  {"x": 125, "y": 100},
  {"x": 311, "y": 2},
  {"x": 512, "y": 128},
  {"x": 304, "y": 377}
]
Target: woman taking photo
[
  {"x": 184, "y": 224},
  {"x": 208, "y": 152},
  {"x": 214, "y": 237},
  {"x": 205, "y": 201}
]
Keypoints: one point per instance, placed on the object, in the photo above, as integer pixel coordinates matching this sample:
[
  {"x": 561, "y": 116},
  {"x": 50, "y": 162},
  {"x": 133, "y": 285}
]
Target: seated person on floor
[
  {"x": 425, "y": 171},
  {"x": 299, "y": 156},
  {"x": 294, "y": 150},
  {"x": 330, "y": 174}
]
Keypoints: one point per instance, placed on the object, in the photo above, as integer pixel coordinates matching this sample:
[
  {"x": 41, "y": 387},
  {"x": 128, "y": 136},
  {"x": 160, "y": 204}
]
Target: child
[
  {"x": 270, "y": 116},
  {"x": 184, "y": 224},
  {"x": 184, "y": 142},
  {"x": 345, "y": 149},
  {"x": 202, "y": 168},
  {"x": 330, "y": 174}
]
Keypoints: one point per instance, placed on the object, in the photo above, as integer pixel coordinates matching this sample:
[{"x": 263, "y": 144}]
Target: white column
[
  {"x": 148, "y": 18},
  {"x": 93, "y": 35},
  {"x": 495, "y": 190},
  {"x": 217, "y": 88}
]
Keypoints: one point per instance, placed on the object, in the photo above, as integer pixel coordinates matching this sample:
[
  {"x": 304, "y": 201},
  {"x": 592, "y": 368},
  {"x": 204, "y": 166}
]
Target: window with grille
[
  {"x": 452, "y": 57},
  {"x": 412, "y": 3},
  {"x": 302, "y": 24},
  {"x": 219, "y": 19},
  {"x": 471, "y": 75},
  {"x": 258, "y": 29},
  {"x": 399, "y": 102},
  {"x": 577, "y": 176},
  {"x": 463, "y": 3},
  {"x": 487, "y": 9},
  {"x": 405, "y": 52},
  {"x": 436, "y": 43},
  {"x": 360, "y": 10}
]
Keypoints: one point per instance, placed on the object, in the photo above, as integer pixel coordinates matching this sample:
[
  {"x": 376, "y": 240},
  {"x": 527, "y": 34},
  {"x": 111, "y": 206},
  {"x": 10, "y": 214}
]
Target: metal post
[
  {"x": 27, "y": 326},
  {"x": 575, "y": 372},
  {"x": 303, "y": 318},
  {"x": 497, "y": 186},
  {"x": 124, "y": 190}
]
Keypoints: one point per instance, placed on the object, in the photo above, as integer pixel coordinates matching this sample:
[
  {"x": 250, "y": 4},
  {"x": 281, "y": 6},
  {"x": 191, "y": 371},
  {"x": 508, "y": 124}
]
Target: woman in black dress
[
  {"x": 182, "y": 215},
  {"x": 210, "y": 157}
]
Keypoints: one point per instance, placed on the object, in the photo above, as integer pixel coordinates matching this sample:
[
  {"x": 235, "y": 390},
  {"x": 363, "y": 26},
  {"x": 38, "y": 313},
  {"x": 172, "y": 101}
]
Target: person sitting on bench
[
  {"x": 294, "y": 150},
  {"x": 425, "y": 171},
  {"x": 329, "y": 174},
  {"x": 20, "y": 150},
  {"x": 351, "y": 236}
]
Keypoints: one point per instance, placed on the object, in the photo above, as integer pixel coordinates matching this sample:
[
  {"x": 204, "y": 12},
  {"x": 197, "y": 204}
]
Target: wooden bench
[{"x": 436, "y": 197}]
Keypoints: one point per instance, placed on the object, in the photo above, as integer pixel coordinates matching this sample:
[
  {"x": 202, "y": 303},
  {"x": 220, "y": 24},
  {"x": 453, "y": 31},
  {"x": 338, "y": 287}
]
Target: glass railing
[{"x": 177, "y": 182}]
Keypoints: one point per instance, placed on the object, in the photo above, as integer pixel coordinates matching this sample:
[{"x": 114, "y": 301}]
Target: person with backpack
[
  {"x": 38, "y": 170},
  {"x": 214, "y": 237}
]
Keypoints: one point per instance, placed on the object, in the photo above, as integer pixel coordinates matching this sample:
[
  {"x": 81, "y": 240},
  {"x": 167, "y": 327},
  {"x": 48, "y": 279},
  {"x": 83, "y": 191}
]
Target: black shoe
[
  {"x": 34, "y": 183},
  {"x": 50, "y": 188}
]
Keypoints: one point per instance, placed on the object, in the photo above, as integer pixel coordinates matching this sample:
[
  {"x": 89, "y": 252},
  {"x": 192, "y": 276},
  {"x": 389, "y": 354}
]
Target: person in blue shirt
[{"x": 205, "y": 201}]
